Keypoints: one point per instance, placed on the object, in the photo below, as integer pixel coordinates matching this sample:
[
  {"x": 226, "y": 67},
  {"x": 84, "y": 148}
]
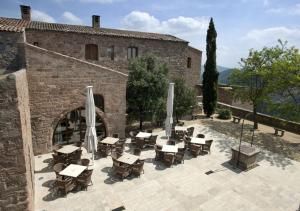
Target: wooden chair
[
  {"x": 190, "y": 131},
  {"x": 159, "y": 155},
  {"x": 152, "y": 141},
  {"x": 195, "y": 149},
  {"x": 85, "y": 162},
  {"x": 149, "y": 131},
  {"x": 57, "y": 158},
  {"x": 138, "y": 168},
  {"x": 104, "y": 150},
  {"x": 140, "y": 142},
  {"x": 85, "y": 179},
  {"x": 179, "y": 156},
  {"x": 187, "y": 142},
  {"x": 122, "y": 171},
  {"x": 169, "y": 159},
  {"x": 58, "y": 168},
  {"x": 171, "y": 142},
  {"x": 206, "y": 146},
  {"x": 115, "y": 135},
  {"x": 74, "y": 158},
  {"x": 66, "y": 185},
  {"x": 137, "y": 151},
  {"x": 200, "y": 136}
]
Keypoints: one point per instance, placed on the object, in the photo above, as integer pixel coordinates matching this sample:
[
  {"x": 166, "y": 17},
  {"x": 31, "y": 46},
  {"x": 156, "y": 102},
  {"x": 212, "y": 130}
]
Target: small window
[
  {"x": 36, "y": 43},
  {"x": 189, "y": 62},
  {"x": 110, "y": 53},
  {"x": 132, "y": 52},
  {"x": 91, "y": 52},
  {"x": 99, "y": 101}
]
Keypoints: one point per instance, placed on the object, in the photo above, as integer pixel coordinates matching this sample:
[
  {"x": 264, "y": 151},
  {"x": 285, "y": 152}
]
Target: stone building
[{"x": 44, "y": 69}]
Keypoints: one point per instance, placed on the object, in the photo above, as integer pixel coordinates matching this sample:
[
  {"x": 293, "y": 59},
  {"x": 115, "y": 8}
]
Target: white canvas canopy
[
  {"x": 90, "y": 140},
  {"x": 169, "y": 119}
]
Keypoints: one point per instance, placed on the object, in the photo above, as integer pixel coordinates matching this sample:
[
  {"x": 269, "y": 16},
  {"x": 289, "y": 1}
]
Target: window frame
[
  {"x": 130, "y": 51},
  {"x": 189, "y": 62},
  {"x": 90, "y": 49},
  {"x": 110, "y": 52}
]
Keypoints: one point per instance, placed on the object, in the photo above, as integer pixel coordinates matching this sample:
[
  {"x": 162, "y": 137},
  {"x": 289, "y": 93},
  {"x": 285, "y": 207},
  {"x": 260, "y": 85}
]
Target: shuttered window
[{"x": 91, "y": 52}]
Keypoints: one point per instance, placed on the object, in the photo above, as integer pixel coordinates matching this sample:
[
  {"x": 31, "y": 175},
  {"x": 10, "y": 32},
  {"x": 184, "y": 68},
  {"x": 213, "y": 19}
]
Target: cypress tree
[{"x": 210, "y": 75}]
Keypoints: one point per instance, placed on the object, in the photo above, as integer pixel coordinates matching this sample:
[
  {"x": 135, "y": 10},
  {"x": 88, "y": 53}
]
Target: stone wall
[
  {"x": 293, "y": 127},
  {"x": 73, "y": 44},
  {"x": 16, "y": 157},
  {"x": 11, "y": 52},
  {"x": 192, "y": 75},
  {"x": 224, "y": 94},
  {"x": 57, "y": 86}
]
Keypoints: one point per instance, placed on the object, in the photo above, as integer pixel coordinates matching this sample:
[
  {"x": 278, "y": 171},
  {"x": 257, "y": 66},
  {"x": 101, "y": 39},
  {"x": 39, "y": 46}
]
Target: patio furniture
[
  {"x": 149, "y": 131},
  {"x": 171, "y": 142},
  {"x": 199, "y": 141},
  {"x": 159, "y": 155},
  {"x": 236, "y": 119},
  {"x": 122, "y": 171},
  {"x": 169, "y": 159},
  {"x": 110, "y": 140},
  {"x": 143, "y": 135},
  {"x": 85, "y": 179},
  {"x": 140, "y": 143},
  {"x": 138, "y": 168},
  {"x": 187, "y": 142},
  {"x": 207, "y": 145},
  {"x": 152, "y": 141},
  {"x": 246, "y": 158},
  {"x": 73, "y": 170},
  {"x": 137, "y": 151},
  {"x": 200, "y": 135},
  {"x": 104, "y": 150},
  {"x": 179, "y": 156},
  {"x": 85, "y": 162},
  {"x": 170, "y": 148},
  {"x": 277, "y": 130},
  {"x": 180, "y": 128},
  {"x": 128, "y": 158},
  {"x": 195, "y": 149},
  {"x": 67, "y": 149},
  {"x": 74, "y": 157},
  {"x": 115, "y": 135},
  {"x": 58, "y": 168},
  {"x": 190, "y": 131},
  {"x": 58, "y": 158},
  {"x": 65, "y": 185}
]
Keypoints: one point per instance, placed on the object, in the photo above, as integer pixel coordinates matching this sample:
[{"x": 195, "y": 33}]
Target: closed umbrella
[
  {"x": 169, "y": 119},
  {"x": 90, "y": 140}
]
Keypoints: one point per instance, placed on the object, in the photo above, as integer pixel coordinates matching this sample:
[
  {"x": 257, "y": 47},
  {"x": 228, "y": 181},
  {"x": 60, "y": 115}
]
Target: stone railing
[{"x": 263, "y": 118}]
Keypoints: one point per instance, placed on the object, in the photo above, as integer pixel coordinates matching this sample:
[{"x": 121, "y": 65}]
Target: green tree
[
  {"x": 267, "y": 73},
  {"x": 184, "y": 98},
  {"x": 210, "y": 75},
  {"x": 147, "y": 85}
]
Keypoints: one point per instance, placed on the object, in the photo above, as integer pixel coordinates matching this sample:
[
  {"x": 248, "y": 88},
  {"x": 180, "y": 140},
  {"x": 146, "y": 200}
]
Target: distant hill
[{"x": 224, "y": 73}]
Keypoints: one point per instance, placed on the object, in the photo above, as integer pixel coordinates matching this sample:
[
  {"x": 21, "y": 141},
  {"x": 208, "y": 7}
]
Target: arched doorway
[{"x": 71, "y": 128}]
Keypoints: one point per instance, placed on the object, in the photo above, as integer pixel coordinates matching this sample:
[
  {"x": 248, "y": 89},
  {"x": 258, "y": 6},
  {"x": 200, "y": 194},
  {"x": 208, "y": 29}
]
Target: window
[
  {"x": 91, "y": 52},
  {"x": 99, "y": 101},
  {"x": 132, "y": 52},
  {"x": 110, "y": 53},
  {"x": 189, "y": 62},
  {"x": 36, "y": 43}
]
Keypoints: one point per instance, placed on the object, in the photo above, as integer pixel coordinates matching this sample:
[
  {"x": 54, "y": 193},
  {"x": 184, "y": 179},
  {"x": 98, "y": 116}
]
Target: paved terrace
[{"x": 273, "y": 185}]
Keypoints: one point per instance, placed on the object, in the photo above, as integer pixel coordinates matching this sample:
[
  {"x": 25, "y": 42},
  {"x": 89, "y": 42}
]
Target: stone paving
[{"x": 273, "y": 185}]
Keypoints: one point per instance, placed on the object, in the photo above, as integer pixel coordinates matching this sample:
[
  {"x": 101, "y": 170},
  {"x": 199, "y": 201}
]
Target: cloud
[
  {"x": 293, "y": 10},
  {"x": 271, "y": 35},
  {"x": 101, "y": 1},
  {"x": 264, "y": 2},
  {"x": 69, "y": 17},
  {"x": 179, "y": 26},
  {"x": 41, "y": 16}
]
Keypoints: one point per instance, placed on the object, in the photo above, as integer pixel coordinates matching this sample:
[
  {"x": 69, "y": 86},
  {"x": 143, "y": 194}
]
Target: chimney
[
  {"x": 25, "y": 12},
  {"x": 96, "y": 21}
]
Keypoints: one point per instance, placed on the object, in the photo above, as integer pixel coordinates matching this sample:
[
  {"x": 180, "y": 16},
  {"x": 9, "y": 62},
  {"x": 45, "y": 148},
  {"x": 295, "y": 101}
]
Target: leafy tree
[
  {"x": 263, "y": 74},
  {"x": 184, "y": 98},
  {"x": 210, "y": 75},
  {"x": 147, "y": 84}
]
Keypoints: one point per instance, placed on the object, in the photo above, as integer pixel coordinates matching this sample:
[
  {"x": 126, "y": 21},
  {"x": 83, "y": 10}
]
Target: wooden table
[
  {"x": 180, "y": 145},
  {"x": 68, "y": 149},
  {"x": 170, "y": 148},
  {"x": 180, "y": 128},
  {"x": 128, "y": 158},
  {"x": 73, "y": 170},
  {"x": 109, "y": 140},
  {"x": 246, "y": 158},
  {"x": 143, "y": 135},
  {"x": 195, "y": 140}
]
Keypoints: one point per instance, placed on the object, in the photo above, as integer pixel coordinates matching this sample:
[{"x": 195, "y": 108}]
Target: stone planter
[{"x": 247, "y": 157}]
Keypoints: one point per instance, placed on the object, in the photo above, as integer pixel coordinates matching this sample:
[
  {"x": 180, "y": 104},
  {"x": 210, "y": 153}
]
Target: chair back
[
  {"x": 115, "y": 162},
  {"x": 132, "y": 133},
  {"x": 115, "y": 135},
  {"x": 58, "y": 167},
  {"x": 169, "y": 156},
  {"x": 85, "y": 162},
  {"x": 208, "y": 143},
  {"x": 195, "y": 147},
  {"x": 190, "y": 131},
  {"x": 137, "y": 151},
  {"x": 149, "y": 131}
]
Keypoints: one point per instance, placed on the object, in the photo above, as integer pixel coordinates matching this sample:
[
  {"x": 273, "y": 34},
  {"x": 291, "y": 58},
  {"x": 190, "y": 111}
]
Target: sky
[{"x": 240, "y": 24}]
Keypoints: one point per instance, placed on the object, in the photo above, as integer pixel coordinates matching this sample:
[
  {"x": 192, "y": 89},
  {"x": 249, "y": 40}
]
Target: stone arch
[{"x": 56, "y": 120}]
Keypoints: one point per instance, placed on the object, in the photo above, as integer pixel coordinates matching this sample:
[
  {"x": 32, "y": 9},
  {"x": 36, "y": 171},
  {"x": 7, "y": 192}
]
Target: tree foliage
[
  {"x": 146, "y": 86},
  {"x": 184, "y": 98},
  {"x": 210, "y": 75},
  {"x": 270, "y": 75}
]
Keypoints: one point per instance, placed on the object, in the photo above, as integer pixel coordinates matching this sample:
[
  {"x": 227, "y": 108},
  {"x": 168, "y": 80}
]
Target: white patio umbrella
[
  {"x": 169, "y": 119},
  {"x": 90, "y": 140}
]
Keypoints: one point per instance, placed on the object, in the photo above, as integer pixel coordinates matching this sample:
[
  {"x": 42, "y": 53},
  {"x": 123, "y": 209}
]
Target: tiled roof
[{"x": 18, "y": 24}]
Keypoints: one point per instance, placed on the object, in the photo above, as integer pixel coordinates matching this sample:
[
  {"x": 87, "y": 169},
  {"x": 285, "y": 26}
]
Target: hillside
[{"x": 224, "y": 73}]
